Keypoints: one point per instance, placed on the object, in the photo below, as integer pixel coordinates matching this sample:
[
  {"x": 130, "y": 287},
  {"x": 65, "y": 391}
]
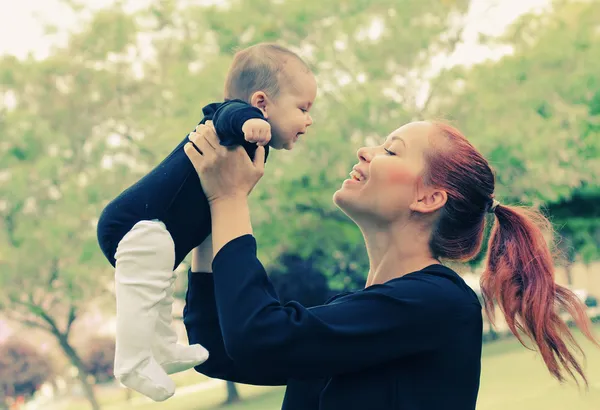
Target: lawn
[
  {"x": 516, "y": 378},
  {"x": 512, "y": 378},
  {"x": 254, "y": 398}
]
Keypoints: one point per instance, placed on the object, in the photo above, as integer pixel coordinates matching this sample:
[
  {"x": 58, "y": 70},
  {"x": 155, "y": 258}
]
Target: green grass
[
  {"x": 188, "y": 378},
  {"x": 271, "y": 400},
  {"x": 512, "y": 378},
  {"x": 110, "y": 396},
  {"x": 515, "y": 378},
  {"x": 253, "y": 397}
]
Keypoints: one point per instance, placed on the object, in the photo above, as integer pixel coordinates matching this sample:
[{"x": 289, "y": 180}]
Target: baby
[{"x": 149, "y": 229}]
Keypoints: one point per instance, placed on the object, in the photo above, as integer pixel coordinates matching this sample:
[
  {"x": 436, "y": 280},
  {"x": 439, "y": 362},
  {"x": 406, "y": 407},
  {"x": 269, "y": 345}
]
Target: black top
[
  {"x": 412, "y": 343},
  {"x": 171, "y": 192}
]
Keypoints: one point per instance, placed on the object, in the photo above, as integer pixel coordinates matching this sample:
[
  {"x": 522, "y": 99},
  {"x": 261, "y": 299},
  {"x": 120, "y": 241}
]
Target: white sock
[
  {"x": 144, "y": 268},
  {"x": 173, "y": 357}
]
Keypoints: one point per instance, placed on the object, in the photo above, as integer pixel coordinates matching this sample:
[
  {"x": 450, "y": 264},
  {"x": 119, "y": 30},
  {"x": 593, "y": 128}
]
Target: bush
[
  {"x": 99, "y": 358},
  {"x": 591, "y": 301},
  {"x": 298, "y": 279},
  {"x": 22, "y": 369}
]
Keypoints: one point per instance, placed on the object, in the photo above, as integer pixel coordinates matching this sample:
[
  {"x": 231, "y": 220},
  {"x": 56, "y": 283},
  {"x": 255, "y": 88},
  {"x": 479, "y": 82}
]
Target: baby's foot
[
  {"x": 172, "y": 356},
  {"x": 144, "y": 266}
]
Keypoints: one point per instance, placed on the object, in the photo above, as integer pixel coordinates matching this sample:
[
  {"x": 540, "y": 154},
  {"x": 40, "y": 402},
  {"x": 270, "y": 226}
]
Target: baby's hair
[{"x": 260, "y": 67}]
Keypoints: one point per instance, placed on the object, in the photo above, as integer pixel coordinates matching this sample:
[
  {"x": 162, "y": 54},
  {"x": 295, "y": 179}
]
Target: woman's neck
[{"x": 399, "y": 249}]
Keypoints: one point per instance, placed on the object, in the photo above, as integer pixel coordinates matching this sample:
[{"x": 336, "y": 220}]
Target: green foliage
[
  {"x": 535, "y": 115},
  {"x": 94, "y": 116}
]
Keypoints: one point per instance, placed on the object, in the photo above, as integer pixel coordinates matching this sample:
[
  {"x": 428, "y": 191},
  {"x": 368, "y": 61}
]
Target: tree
[
  {"x": 295, "y": 196},
  {"x": 540, "y": 131},
  {"x": 370, "y": 58},
  {"x": 577, "y": 221},
  {"x": 90, "y": 119},
  {"x": 22, "y": 370},
  {"x": 233, "y": 396},
  {"x": 54, "y": 145}
]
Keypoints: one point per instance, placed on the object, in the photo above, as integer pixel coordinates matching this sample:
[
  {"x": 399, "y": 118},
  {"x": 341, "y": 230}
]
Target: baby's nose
[{"x": 309, "y": 120}]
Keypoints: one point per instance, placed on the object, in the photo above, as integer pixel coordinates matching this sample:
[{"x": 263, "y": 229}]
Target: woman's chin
[
  {"x": 338, "y": 199},
  {"x": 347, "y": 206},
  {"x": 342, "y": 200}
]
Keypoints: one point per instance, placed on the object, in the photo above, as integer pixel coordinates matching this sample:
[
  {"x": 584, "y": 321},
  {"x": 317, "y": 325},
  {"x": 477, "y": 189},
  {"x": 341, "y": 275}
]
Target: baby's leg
[
  {"x": 144, "y": 269},
  {"x": 172, "y": 356}
]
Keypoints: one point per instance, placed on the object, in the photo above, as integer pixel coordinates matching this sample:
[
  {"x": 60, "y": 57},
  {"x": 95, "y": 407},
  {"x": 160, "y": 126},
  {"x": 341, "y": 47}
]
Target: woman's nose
[{"x": 364, "y": 154}]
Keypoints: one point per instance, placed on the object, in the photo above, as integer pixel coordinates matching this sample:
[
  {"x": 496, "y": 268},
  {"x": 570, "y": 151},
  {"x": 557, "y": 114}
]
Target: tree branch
[
  {"x": 71, "y": 319},
  {"x": 453, "y": 43},
  {"x": 53, "y": 272},
  {"x": 435, "y": 84},
  {"x": 9, "y": 221},
  {"x": 39, "y": 311},
  {"x": 12, "y": 315}
]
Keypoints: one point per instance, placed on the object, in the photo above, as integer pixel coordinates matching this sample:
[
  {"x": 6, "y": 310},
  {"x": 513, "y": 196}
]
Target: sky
[{"x": 22, "y": 24}]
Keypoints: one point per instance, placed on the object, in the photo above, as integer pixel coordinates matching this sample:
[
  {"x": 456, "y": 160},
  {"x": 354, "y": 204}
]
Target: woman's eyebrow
[{"x": 396, "y": 138}]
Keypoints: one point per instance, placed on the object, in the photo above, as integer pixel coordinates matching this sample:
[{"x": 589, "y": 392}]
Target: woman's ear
[
  {"x": 259, "y": 100},
  {"x": 429, "y": 200}
]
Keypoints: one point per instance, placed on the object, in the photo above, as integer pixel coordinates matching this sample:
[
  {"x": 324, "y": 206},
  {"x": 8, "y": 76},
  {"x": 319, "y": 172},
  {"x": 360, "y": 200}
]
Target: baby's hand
[{"x": 257, "y": 130}]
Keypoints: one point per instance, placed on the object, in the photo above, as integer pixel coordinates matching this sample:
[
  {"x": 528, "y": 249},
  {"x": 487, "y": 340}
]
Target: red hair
[{"x": 519, "y": 271}]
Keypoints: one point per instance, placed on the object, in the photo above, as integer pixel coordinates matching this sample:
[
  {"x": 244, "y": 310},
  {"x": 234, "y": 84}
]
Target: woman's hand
[{"x": 225, "y": 172}]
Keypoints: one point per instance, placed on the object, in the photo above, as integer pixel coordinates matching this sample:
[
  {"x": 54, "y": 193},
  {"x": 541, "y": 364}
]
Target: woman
[{"x": 412, "y": 338}]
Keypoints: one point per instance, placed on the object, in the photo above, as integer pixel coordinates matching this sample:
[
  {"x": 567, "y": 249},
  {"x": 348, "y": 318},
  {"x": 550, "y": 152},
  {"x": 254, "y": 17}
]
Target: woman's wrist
[
  {"x": 230, "y": 219},
  {"x": 235, "y": 198},
  {"x": 202, "y": 256}
]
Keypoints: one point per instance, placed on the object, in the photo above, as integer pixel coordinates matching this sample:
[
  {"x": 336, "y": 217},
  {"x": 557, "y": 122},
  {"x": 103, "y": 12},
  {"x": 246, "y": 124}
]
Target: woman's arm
[
  {"x": 202, "y": 324},
  {"x": 202, "y": 256},
  {"x": 230, "y": 217},
  {"x": 290, "y": 341},
  {"x": 411, "y": 316}
]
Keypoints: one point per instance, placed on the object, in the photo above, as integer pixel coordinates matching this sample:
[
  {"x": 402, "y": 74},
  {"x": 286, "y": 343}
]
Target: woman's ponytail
[{"x": 519, "y": 277}]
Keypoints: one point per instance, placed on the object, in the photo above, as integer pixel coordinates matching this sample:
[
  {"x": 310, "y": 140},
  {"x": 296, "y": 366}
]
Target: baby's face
[{"x": 289, "y": 113}]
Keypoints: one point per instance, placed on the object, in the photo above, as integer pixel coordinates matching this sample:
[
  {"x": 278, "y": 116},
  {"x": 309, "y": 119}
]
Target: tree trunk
[
  {"x": 232, "y": 393},
  {"x": 81, "y": 372},
  {"x": 569, "y": 273}
]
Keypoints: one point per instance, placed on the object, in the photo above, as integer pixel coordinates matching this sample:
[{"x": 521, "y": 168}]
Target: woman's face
[{"x": 389, "y": 176}]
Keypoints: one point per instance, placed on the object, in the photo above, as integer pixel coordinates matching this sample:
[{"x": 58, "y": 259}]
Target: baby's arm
[
  {"x": 230, "y": 118},
  {"x": 257, "y": 130}
]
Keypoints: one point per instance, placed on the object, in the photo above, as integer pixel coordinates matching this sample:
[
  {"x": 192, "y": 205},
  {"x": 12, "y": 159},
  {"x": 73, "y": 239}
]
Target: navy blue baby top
[{"x": 171, "y": 192}]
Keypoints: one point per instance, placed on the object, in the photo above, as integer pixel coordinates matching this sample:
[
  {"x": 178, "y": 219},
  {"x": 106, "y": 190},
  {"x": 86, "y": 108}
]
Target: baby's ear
[{"x": 259, "y": 100}]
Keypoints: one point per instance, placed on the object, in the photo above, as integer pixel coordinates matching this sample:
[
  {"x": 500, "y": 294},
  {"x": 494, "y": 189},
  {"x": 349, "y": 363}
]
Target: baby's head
[{"x": 276, "y": 81}]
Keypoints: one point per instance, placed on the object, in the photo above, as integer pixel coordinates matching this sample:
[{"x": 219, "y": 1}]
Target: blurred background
[{"x": 94, "y": 93}]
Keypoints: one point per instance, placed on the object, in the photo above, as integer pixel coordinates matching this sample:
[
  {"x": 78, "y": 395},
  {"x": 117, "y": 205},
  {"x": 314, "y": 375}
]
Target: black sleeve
[
  {"x": 202, "y": 325},
  {"x": 363, "y": 329},
  {"x": 229, "y": 118}
]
